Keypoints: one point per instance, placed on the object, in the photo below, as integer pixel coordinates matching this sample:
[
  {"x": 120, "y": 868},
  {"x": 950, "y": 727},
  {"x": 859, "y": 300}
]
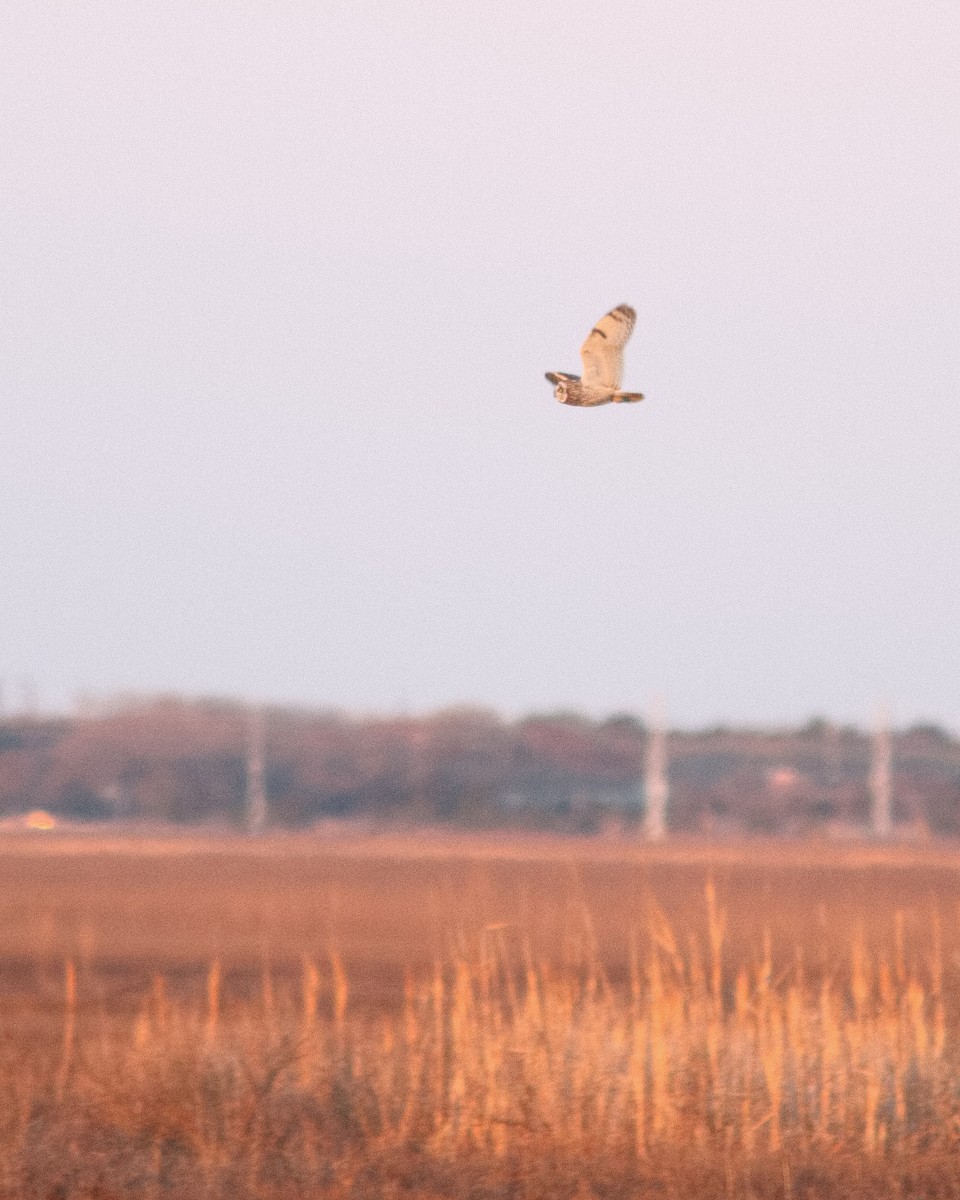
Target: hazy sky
[{"x": 280, "y": 282}]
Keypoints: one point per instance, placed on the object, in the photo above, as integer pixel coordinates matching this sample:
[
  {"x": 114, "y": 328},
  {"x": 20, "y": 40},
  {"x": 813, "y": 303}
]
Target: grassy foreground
[{"x": 696, "y": 1061}]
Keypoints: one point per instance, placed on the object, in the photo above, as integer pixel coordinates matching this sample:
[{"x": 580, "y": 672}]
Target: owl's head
[{"x": 560, "y": 391}]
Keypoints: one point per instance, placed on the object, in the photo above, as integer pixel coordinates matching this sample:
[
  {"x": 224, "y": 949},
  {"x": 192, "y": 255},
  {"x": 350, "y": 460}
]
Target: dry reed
[{"x": 495, "y": 1062}]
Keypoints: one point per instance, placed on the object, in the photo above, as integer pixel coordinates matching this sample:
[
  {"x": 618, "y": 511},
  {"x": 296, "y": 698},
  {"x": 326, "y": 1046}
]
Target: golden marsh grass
[{"x": 569, "y": 1020}]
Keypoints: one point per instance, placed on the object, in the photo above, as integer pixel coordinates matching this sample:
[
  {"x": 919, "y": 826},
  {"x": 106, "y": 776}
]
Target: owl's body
[{"x": 602, "y": 355}]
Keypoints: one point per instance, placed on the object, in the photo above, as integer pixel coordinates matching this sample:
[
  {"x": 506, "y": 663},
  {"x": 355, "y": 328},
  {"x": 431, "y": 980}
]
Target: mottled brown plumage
[{"x": 602, "y": 355}]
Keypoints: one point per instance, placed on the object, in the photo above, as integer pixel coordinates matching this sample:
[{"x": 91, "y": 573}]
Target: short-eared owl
[{"x": 602, "y": 355}]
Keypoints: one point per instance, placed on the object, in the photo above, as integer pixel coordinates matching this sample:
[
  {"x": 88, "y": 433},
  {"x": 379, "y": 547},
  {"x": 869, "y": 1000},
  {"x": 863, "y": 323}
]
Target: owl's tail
[{"x": 626, "y": 397}]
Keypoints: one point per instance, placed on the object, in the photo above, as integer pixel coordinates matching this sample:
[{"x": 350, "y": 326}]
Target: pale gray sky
[{"x": 280, "y": 282}]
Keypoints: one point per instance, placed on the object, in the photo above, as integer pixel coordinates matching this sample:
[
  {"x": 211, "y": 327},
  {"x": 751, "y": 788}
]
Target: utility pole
[
  {"x": 256, "y": 794},
  {"x": 28, "y": 703},
  {"x": 655, "y": 787},
  {"x": 881, "y": 792},
  {"x": 417, "y": 776}
]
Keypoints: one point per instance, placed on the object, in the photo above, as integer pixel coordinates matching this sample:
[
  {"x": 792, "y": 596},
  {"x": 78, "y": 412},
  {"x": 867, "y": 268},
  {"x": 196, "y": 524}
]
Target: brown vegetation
[
  {"x": 173, "y": 761},
  {"x": 469, "y": 1018}
]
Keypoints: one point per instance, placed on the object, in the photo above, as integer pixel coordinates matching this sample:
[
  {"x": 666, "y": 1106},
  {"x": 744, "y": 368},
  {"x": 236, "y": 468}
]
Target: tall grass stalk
[{"x": 495, "y": 1052}]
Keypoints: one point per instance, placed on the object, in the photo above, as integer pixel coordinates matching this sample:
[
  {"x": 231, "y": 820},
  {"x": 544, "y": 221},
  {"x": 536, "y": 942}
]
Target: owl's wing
[{"x": 602, "y": 352}]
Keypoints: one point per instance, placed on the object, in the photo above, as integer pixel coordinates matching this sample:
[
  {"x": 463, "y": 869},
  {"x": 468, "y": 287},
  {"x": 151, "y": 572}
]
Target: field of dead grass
[{"x": 431, "y": 1016}]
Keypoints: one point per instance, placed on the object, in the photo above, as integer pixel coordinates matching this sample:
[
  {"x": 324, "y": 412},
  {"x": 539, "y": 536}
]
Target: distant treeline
[{"x": 172, "y": 760}]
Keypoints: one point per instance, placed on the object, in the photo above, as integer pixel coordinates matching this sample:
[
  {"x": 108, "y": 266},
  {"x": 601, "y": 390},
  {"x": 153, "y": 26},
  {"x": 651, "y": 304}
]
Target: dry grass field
[{"x": 438, "y": 1017}]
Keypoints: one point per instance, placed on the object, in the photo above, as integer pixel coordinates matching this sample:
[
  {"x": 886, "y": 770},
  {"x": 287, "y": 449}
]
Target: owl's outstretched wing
[{"x": 602, "y": 352}]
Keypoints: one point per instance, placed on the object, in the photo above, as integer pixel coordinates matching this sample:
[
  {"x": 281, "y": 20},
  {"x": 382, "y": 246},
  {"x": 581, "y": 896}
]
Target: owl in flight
[{"x": 602, "y": 355}]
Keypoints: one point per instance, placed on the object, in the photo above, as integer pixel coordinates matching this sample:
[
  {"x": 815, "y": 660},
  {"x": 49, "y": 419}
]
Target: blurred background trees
[{"x": 161, "y": 760}]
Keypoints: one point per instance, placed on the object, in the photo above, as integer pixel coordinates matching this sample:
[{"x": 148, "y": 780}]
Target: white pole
[
  {"x": 655, "y": 786},
  {"x": 881, "y": 792},
  {"x": 256, "y": 794}
]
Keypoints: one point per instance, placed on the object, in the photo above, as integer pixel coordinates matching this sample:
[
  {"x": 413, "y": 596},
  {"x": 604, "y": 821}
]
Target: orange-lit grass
[{"x": 502, "y": 1073}]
